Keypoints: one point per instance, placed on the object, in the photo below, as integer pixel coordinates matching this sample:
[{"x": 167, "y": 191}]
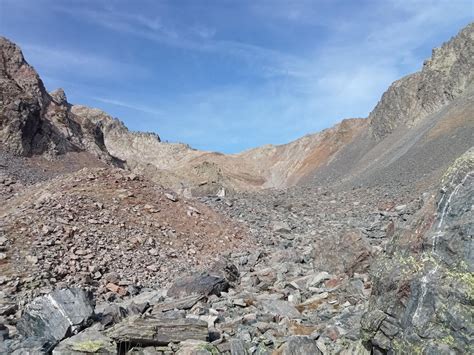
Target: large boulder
[
  {"x": 149, "y": 331},
  {"x": 57, "y": 315},
  {"x": 204, "y": 285}
]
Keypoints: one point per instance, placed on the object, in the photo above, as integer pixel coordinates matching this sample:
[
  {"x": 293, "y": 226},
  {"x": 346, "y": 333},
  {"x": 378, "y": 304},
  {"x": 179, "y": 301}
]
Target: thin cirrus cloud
[
  {"x": 199, "y": 38},
  {"x": 50, "y": 60},
  {"x": 129, "y": 105}
]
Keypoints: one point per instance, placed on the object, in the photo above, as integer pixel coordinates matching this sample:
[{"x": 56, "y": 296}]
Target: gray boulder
[
  {"x": 281, "y": 308},
  {"x": 89, "y": 341},
  {"x": 198, "y": 285},
  {"x": 151, "y": 331},
  {"x": 300, "y": 345},
  {"x": 57, "y": 315}
]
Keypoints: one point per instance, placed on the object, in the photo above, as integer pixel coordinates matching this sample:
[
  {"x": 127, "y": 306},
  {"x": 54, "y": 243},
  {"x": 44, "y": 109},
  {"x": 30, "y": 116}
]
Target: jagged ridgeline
[
  {"x": 403, "y": 139},
  {"x": 353, "y": 240}
]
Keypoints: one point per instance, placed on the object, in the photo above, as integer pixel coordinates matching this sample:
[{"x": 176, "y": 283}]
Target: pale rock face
[
  {"x": 445, "y": 76},
  {"x": 59, "y": 96}
]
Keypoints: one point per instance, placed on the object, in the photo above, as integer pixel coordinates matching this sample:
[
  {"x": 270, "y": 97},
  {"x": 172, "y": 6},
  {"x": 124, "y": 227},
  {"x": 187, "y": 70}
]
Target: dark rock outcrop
[
  {"x": 34, "y": 122},
  {"x": 57, "y": 315},
  {"x": 423, "y": 287},
  {"x": 204, "y": 285},
  {"x": 49, "y": 319}
]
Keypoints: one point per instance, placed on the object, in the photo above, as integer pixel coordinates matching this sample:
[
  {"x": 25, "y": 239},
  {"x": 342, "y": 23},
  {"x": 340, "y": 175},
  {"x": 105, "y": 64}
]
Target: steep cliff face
[
  {"x": 22, "y": 101},
  {"x": 34, "y": 122},
  {"x": 423, "y": 287},
  {"x": 445, "y": 76}
]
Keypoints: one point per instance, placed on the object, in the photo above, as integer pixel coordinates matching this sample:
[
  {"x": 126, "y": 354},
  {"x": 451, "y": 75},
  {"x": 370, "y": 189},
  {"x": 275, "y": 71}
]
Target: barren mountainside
[
  {"x": 353, "y": 240},
  {"x": 414, "y": 115}
]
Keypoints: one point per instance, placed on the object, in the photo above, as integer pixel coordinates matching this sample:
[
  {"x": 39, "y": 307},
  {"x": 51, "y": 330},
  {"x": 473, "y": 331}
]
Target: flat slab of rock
[
  {"x": 158, "y": 330},
  {"x": 280, "y": 227},
  {"x": 300, "y": 345},
  {"x": 280, "y": 308},
  {"x": 57, "y": 315},
  {"x": 89, "y": 341},
  {"x": 198, "y": 285},
  {"x": 182, "y": 303}
]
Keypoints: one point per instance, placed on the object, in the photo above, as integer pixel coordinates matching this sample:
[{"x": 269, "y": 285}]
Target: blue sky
[{"x": 229, "y": 75}]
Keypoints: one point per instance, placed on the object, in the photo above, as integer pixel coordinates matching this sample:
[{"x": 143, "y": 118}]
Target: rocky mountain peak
[
  {"x": 34, "y": 122},
  {"x": 14, "y": 67},
  {"x": 59, "y": 96},
  {"x": 443, "y": 78}
]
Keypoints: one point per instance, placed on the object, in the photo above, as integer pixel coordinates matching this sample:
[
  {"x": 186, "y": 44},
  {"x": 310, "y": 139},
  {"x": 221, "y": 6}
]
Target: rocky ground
[
  {"x": 251, "y": 273},
  {"x": 94, "y": 222}
]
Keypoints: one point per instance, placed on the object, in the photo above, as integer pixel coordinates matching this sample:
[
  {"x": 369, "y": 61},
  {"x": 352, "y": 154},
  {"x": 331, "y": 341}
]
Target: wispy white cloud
[
  {"x": 266, "y": 61},
  {"x": 132, "y": 106},
  {"x": 49, "y": 59}
]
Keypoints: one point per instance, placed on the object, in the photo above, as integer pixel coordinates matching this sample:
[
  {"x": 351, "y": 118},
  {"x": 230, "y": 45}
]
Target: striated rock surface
[
  {"x": 53, "y": 317},
  {"x": 158, "y": 331},
  {"x": 423, "y": 287}
]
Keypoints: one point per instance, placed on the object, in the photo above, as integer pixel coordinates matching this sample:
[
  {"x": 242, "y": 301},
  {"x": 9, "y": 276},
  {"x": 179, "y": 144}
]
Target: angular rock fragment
[
  {"x": 198, "y": 285},
  {"x": 57, "y": 315},
  {"x": 280, "y": 308},
  {"x": 158, "y": 330},
  {"x": 30, "y": 345},
  {"x": 121, "y": 291},
  {"x": 90, "y": 341},
  {"x": 182, "y": 303},
  {"x": 300, "y": 345},
  {"x": 224, "y": 268},
  {"x": 281, "y": 227},
  {"x": 196, "y": 347},
  {"x": 171, "y": 197},
  {"x": 111, "y": 313},
  {"x": 237, "y": 347}
]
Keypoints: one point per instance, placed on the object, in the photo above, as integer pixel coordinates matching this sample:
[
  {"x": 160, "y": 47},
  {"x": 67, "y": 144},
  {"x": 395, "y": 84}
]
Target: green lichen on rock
[
  {"x": 462, "y": 164},
  {"x": 90, "y": 346},
  {"x": 211, "y": 349},
  {"x": 464, "y": 278},
  {"x": 404, "y": 347}
]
